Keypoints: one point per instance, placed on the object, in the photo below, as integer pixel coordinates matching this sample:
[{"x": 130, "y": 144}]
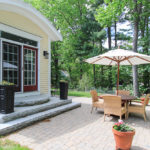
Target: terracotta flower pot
[{"x": 123, "y": 139}]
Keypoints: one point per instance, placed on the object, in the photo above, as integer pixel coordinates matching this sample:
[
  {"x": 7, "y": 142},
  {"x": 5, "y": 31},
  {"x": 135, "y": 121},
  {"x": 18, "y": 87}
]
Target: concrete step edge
[
  {"x": 30, "y": 111},
  {"x": 31, "y": 102},
  {"x": 23, "y": 122}
]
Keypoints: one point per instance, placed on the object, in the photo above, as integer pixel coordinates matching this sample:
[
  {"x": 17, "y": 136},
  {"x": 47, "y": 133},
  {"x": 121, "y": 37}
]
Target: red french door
[
  {"x": 11, "y": 68},
  {"x": 30, "y": 66}
]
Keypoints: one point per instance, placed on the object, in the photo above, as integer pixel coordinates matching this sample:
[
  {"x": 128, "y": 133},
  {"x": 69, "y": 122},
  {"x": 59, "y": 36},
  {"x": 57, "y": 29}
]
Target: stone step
[
  {"x": 29, "y": 110},
  {"x": 31, "y": 100},
  {"x": 12, "y": 126}
]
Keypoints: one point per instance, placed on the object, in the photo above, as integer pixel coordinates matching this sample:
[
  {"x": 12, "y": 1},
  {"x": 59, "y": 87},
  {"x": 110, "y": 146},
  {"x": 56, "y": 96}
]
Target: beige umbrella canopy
[{"x": 119, "y": 57}]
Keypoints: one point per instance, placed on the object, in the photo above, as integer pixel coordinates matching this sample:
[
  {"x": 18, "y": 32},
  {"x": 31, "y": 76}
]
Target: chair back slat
[
  {"x": 123, "y": 92},
  {"x": 112, "y": 104},
  {"x": 94, "y": 95}
]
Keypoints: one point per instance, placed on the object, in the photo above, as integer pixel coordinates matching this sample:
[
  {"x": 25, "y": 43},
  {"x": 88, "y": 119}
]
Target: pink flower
[
  {"x": 120, "y": 121},
  {"x": 117, "y": 124}
]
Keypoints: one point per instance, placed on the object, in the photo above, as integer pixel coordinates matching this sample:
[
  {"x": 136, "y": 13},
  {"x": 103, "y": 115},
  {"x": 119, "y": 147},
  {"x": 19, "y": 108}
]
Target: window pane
[
  {"x": 18, "y": 38},
  {"x": 11, "y": 63},
  {"x": 29, "y": 67}
]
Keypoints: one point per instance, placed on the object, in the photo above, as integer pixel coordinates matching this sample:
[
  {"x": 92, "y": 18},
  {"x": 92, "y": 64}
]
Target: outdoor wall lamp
[{"x": 45, "y": 54}]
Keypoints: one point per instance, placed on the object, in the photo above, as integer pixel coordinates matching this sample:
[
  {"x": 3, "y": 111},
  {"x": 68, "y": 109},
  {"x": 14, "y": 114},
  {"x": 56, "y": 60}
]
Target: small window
[{"x": 16, "y": 38}]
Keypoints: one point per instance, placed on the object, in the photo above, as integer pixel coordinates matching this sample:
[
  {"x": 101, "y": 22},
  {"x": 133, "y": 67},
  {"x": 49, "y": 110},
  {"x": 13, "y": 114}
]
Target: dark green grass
[
  {"x": 79, "y": 93},
  {"x": 76, "y": 93}
]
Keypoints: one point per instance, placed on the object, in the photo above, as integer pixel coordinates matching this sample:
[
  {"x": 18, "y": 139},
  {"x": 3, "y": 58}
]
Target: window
[
  {"x": 17, "y": 38},
  {"x": 29, "y": 67}
]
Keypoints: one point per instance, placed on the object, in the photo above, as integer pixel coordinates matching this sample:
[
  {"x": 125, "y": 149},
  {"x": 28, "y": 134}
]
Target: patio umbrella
[{"x": 119, "y": 57}]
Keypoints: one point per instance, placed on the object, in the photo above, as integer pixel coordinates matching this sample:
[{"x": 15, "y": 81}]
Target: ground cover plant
[{"x": 6, "y": 144}]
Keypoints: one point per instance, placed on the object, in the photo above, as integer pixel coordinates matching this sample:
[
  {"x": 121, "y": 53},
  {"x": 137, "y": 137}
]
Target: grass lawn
[
  {"x": 6, "y": 144},
  {"x": 81, "y": 94},
  {"x": 77, "y": 93}
]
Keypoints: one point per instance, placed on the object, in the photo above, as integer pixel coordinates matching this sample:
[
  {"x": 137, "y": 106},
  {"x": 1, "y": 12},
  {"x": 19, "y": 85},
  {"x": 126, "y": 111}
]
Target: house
[
  {"x": 25, "y": 60},
  {"x": 25, "y": 50}
]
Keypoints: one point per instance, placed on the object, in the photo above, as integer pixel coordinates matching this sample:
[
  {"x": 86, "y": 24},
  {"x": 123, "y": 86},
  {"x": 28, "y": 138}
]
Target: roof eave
[{"x": 39, "y": 19}]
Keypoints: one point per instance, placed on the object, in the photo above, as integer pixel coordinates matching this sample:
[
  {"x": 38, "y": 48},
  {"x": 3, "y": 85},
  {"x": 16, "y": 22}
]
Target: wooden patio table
[{"x": 125, "y": 98}]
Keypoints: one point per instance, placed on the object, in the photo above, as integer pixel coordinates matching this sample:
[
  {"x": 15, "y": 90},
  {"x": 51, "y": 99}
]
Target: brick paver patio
[{"x": 80, "y": 130}]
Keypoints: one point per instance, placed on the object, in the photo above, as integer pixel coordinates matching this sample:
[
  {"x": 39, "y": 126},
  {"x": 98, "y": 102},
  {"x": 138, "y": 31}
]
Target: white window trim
[
  {"x": 18, "y": 32},
  {"x": 26, "y": 35}
]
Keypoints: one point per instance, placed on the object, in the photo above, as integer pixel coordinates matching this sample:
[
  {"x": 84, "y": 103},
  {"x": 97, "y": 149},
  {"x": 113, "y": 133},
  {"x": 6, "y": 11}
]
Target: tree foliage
[{"x": 83, "y": 26}]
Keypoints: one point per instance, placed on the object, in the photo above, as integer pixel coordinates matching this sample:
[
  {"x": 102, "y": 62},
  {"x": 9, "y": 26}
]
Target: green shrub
[
  {"x": 6, "y": 83},
  {"x": 85, "y": 83}
]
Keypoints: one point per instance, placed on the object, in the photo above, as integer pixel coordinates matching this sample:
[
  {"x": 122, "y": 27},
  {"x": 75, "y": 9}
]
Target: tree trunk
[
  {"x": 101, "y": 76},
  {"x": 148, "y": 44},
  {"x": 134, "y": 68},
  {"x": 115, "y": 34},
  {"x": 94, "y": 74},
  {"x": 146, "y": 75},
  {"x": 110, "y": 67},
  {"x": 81, "y": 71},
  {"x": 94, "y": 70},
  {"x": 100, "y": 47},
  {"x": 101, "y": 67},
  {"x": 135, "y": 41}
]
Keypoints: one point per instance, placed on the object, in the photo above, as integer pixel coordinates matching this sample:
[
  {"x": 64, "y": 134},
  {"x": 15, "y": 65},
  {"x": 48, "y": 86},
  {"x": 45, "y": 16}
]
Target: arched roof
[{"x": 26, "y": 10}]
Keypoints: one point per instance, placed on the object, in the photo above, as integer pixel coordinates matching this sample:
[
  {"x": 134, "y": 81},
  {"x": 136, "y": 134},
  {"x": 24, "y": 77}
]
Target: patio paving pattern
[{"x": 80, "y": 130}]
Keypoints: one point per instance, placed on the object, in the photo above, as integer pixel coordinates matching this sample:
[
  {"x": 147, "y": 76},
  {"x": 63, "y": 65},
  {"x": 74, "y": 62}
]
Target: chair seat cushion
[{"x": 142, "y": 99}]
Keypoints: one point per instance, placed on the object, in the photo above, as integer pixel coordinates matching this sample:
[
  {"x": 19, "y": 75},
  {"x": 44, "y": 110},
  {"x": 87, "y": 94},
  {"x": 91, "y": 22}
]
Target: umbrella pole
[{"x": 118, "y": 78}]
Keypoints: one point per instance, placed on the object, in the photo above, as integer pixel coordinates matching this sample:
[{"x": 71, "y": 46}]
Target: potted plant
[
  {"x": 123, "y": 135},
  {"x": 7, "y": 90},
  {"x": 63, "y": 89}
]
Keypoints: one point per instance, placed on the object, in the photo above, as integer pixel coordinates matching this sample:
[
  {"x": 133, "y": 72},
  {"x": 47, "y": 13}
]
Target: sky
[{"x": 120, "y": 26}]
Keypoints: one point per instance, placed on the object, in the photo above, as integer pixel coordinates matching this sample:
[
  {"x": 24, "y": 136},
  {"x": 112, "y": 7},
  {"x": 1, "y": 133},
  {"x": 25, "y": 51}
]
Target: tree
[
  {"x": 83, "y": 37},
  {"x": 136, "y": 12},
  {"x": 112, "y": 10}
]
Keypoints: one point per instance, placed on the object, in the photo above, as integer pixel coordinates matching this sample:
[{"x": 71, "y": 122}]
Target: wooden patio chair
[
  {"x": 123, "y": 92},
  {"x": 95, "y": 101},
  {"x": 113, "y": 106},
  {"x": 139, "y": 108},
  {"x": 141, "y": 100}
]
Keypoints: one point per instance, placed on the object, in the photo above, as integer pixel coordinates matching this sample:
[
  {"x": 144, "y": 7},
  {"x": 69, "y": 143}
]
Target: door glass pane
[
  {"x": 29, "y": 67},
  {"x": 11, "y": 63}
]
